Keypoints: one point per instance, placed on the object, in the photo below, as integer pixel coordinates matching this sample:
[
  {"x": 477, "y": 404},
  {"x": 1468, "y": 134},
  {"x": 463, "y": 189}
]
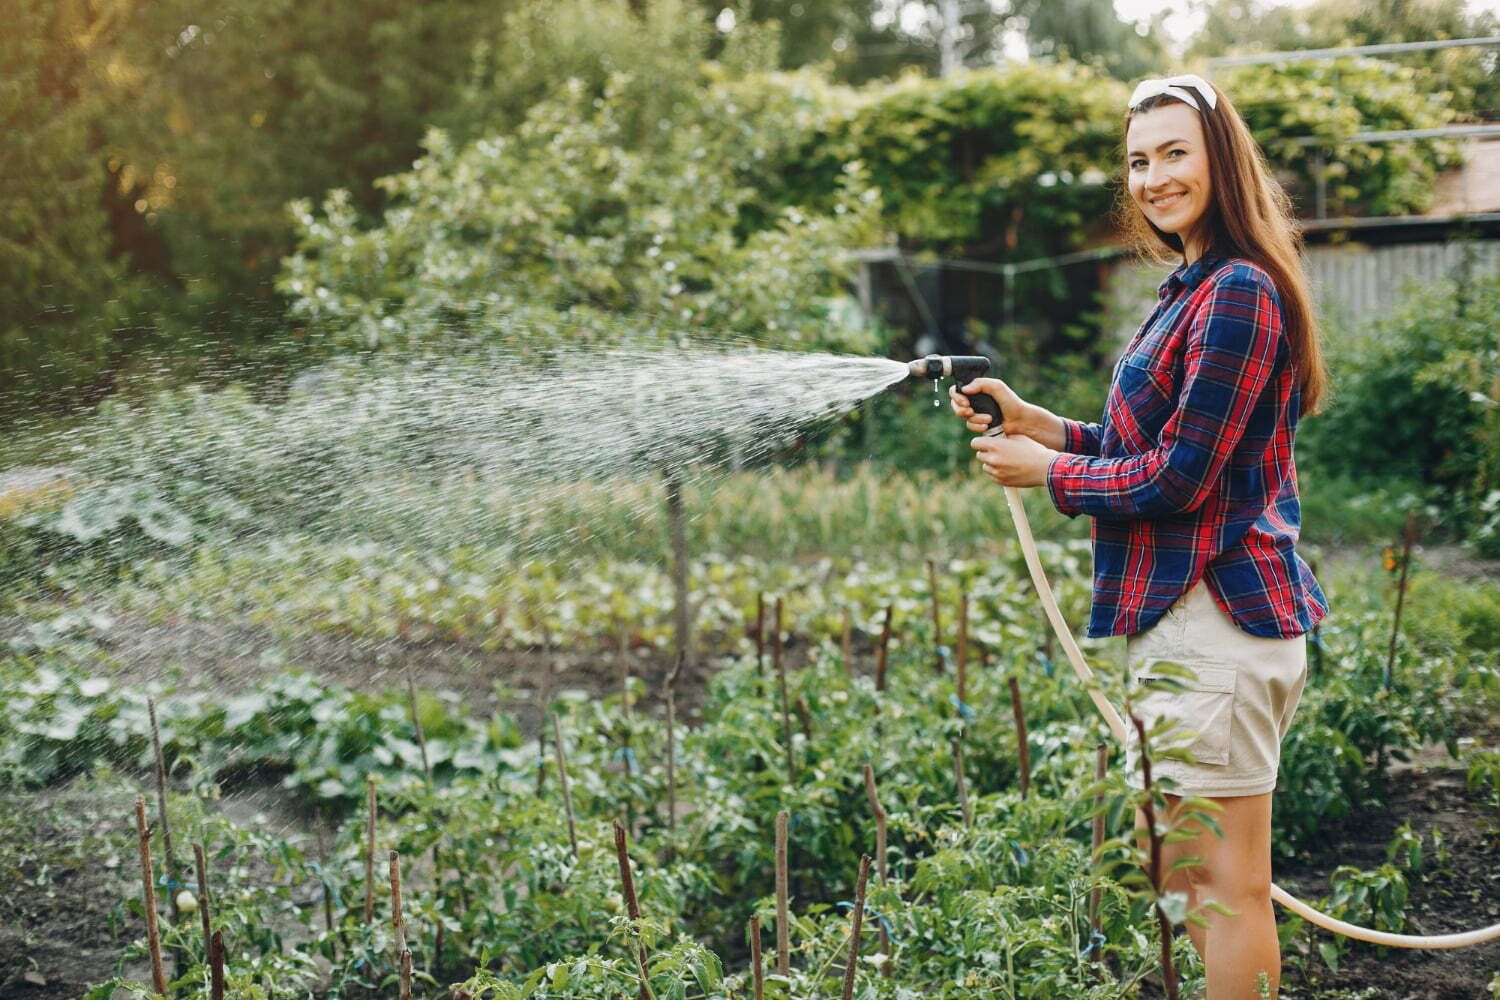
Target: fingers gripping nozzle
[{"x": 963, "y": 369}]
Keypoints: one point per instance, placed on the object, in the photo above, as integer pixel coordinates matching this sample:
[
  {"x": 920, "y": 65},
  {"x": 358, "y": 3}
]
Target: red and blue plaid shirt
[{"x": 1190, "y": 473}]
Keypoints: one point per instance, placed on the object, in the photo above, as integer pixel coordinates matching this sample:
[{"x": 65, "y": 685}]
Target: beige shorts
[{"x": 1233, "y": 716}]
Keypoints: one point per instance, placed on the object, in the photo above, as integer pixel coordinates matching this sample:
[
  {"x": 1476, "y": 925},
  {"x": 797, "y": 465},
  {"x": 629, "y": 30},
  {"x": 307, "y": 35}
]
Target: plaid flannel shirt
[{"x": 1190, "y": 472}]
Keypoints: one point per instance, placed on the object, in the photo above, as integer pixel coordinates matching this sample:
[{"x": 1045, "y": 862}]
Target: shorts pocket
[{"x": 1204, "y": 707}]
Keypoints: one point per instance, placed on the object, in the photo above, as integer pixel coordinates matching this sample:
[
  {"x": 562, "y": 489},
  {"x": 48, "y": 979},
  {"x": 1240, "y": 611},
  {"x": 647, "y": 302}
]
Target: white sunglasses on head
[{"x": 1173, "y": 86}]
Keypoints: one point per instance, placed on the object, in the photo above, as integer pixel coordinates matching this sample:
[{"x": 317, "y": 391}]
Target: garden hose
[{"x": 1117, "y": 726}]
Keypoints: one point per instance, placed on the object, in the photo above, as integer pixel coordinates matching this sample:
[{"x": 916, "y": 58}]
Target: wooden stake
[
  {"x": 805, "y": 714},
  {"x": 852, "y": 966},
  {"x": 168, "y": 855},
  {"x": 779, "y": 662},
  {"x": 632, "y": 905},
  {"x": 1408, "y": 536},
  {"x": 937, "y": 617},
  {"x": 963, "y": 786},
  {"x": 682, "y": 612},
  {"x": 567, "y": 789},
  {"x": 542, "y": 756},
  {"x": 880, "y": 834},
  {"x": 323, "y": 866},
  {"x": 671, "y": 686},
  {"x": 1101, "y": 768},
  {"x": 398, "y": 927},
  {"x": 153, "y": 936},
  {"x": 848, "y": 645},
  {"x": 203, "y": 901},
  {"x": 622, "y": 655},
  {"x": 1317, "y": 635},
  {"x": 783, "y": 931},
  {"x": 216, "y": 966},
  {"x": 963, "y": 648},
  {"x": 760, "y": 633},
  {"x": 437, "y": 857},
  {"x": 757, "y": 976},
  {"x": 883, "y": 655},
  {"x": 1021, "y": 748},
  {"x": 370, "y": 849},
  {"x": 880, "y": 820}
]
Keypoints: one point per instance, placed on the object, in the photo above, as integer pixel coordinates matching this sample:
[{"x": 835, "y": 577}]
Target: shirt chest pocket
[{"x": 1141, "y": 401}]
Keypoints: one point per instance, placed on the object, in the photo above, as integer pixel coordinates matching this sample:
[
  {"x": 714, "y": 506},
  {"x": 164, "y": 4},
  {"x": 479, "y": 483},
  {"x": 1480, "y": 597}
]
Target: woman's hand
[
  {"x": 1013, "y": 460},
  {"x": 1015, "y": 412}
]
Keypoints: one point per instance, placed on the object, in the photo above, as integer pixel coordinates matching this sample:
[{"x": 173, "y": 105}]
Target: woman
[{"x": 1193, "y": 494}]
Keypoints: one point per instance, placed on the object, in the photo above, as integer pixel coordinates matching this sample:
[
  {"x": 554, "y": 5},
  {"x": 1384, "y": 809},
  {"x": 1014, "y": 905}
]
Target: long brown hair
[{"x": 1250, "y": 216}]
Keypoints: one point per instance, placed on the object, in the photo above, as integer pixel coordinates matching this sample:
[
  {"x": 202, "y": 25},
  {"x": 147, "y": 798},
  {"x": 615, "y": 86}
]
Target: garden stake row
[
  {"x": 567, "y": 789},
  {"x": 633, "y": 908},
  {"x": 1021, "y": 742},
  {"x": 153, "y": 936},
  {"x": 779, "y": 664},
  {"x": 937, "y": 618},
  {"x": 398, "y": 926},
  {"x": 783, "y": 933},
  {"x": 859, "y": 917},
  {"x": 369, "y": 849},
  {"x": 1164, "y": 924},
  {"x": 756, "y": 975},
  {"x": 883, "y": 655}
]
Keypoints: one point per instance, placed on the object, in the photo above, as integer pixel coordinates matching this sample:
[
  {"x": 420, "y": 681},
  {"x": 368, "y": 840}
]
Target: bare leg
[{"x": 1236, "y": 871}]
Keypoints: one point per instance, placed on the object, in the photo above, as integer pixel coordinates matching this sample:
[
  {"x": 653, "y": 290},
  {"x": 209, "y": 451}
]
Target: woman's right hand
[{"x": 1014, "y": 411}]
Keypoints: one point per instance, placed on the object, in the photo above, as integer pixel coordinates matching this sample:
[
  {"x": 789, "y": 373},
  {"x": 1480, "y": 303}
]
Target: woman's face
[{"x": 1167, "y": 165}]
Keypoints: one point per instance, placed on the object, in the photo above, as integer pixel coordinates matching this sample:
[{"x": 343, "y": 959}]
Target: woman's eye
[
  {"x": 1171, "y": 151},
  {"x": 1137, "y": 163}
]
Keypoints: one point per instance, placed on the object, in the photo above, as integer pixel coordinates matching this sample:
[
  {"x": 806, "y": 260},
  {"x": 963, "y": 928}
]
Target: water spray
[{"x": 964, "y": 369}]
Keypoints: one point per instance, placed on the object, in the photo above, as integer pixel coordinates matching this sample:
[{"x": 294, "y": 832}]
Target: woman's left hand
[{"x": 1013, "y": 460}]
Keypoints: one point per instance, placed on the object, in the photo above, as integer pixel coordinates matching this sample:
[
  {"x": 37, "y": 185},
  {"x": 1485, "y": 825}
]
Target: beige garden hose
[{"x": 1117, "y": 726}]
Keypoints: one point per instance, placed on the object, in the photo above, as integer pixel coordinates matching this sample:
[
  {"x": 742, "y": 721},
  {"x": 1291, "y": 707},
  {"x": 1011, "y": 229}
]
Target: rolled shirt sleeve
[{"x": 1228, "y": 358}]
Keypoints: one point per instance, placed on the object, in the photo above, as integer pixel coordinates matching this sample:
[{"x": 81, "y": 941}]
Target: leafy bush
[
  {"x": 1415, "y": 399},
  {"x": 1334, "y": 99}
]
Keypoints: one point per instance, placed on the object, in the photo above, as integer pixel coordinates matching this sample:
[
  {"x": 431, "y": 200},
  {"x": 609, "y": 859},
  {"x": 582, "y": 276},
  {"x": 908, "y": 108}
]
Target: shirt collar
[{"x": 1190, "y": 276}]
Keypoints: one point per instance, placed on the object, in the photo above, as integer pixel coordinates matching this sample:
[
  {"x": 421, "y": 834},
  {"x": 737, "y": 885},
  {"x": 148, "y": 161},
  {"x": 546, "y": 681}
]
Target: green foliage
[
  {"x": 1414, "y": 400},
  {"x": 1331, "y": 100},
  {"x": 1028, "y": 149},
  {"x": 1241, "y": 26},
  {"x": 62, "y": 291}
]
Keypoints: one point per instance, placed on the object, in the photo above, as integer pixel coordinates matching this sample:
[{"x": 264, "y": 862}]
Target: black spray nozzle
[{"x": 963, "y": 369}]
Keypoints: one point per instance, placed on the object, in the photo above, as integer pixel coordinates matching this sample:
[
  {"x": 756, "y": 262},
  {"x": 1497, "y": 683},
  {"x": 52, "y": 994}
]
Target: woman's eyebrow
[{"x": 1137, "y": 152}]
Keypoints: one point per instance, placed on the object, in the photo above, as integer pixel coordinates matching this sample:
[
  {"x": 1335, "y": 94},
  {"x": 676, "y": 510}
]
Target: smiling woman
[{"x": 1190, "y": 482}]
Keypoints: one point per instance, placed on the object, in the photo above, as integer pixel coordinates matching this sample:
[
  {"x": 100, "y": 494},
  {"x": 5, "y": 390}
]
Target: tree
[{"x": 63, "y": 289}]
